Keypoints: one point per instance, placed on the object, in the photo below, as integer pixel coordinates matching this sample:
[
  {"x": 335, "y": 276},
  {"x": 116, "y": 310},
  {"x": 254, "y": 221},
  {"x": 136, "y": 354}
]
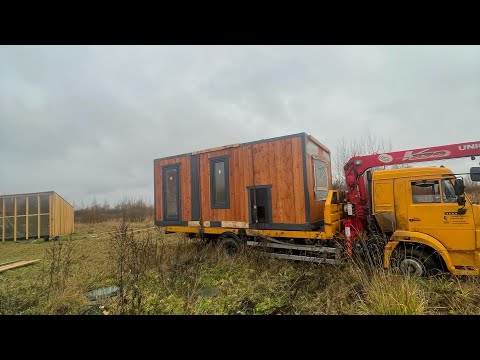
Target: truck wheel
[
  {"x": 415, "y": 262},
  {"x": 230, "y": 244}
]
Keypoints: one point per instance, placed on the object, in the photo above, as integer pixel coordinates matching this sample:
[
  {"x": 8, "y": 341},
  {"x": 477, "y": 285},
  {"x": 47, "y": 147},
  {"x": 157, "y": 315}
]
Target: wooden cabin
[
  {"x": 34, "y": 216},
  {"x": 279, "y": 183}
]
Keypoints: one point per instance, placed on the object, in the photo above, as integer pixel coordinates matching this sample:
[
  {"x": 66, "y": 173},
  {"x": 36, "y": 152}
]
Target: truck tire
[
  {"x": 230, "y": 243},
  {"x": 415, "y": 262}
]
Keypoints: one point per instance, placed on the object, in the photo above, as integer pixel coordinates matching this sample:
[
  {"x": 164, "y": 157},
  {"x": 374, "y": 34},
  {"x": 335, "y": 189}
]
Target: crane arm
[
  {"x": 356, "y": 167},
  {"x": 360, "y": 164}
]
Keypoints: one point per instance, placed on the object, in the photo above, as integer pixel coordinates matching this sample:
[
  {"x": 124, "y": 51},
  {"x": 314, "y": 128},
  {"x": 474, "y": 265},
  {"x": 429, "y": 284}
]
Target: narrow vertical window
[
  {"x": 219, "y": 187},
  {"x": 171, "y": 192},
  {"x": 320, "y": 174}
]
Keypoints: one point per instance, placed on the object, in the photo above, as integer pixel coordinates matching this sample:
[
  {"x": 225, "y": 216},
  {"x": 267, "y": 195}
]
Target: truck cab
[{"x": 431, "y": 225}]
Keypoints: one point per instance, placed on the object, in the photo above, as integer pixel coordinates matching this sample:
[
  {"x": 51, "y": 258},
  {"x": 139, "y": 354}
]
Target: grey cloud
[{"x": 88, "y": 121}]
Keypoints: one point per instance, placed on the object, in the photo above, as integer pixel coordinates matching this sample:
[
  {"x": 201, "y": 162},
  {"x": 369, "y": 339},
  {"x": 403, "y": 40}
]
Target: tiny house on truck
[
  {"x": 273, "y": 184},
  {"x": 278, "y": 188}
]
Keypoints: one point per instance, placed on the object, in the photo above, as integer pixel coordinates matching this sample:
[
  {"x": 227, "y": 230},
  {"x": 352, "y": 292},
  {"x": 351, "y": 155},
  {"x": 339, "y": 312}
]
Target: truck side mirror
[
  {"x": 459, "y": 187},
  {"x": 475, "y": 173}
]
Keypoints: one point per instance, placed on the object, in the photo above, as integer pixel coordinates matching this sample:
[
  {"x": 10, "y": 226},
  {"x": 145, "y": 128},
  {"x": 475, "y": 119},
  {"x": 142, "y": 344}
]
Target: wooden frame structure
[{"x": 35, "y": 215}]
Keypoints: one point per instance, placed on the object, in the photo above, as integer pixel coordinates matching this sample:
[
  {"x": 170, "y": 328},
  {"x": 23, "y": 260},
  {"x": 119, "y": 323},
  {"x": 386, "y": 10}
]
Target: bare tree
[
  {"x": 358, "y": 146},
  {"x": 134, "y": 210},
  {"x": 348, "y": 148},
  {"x": 472, "y": 188}
]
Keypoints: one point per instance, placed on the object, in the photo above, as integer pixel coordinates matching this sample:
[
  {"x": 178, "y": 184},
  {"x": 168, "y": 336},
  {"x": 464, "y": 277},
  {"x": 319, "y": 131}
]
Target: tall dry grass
[{"x": 173, "y": 274}]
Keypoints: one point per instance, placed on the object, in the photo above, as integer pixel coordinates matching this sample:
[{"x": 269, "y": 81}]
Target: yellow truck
[{"x": 419, "y": 219}]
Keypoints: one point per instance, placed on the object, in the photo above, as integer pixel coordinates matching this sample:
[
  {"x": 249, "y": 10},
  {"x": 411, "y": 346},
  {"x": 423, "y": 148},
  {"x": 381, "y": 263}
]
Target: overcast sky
[{"x": 87, "y": 121}]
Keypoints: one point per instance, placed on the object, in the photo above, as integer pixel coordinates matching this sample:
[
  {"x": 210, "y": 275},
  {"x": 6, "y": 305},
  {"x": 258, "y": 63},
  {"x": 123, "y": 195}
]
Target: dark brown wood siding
[
  {"x": 277, "y": 162},
  {"x": 185, "y": 187}
]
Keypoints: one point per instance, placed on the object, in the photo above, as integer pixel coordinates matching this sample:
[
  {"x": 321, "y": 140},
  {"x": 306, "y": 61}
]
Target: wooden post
[
  {"x": 50, "y": 208},
  {"x": 15, "y": 219},
  {"x": 26, "y": 217},
  {"x": 38, "y": 210},
  {"x": 3, "y": 219}
]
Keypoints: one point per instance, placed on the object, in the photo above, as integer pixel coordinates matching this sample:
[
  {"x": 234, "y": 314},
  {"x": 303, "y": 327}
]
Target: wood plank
[
  {"x": 51, "y": 215},
  {"x": 234, "y": 224},
  {"x": 26, "y": 218},
  {"x": 186, "y": 189},
  {"x": 15, "y": 219},
  {"x": 297, "y": 170},
  {"x": 17, "y": 264},
  {"x": 313, "y": 203},
  {"x": 244, "y": 164},
  {"x": 215, "y": 149},
  {"x": 3, "y": 219},
  {"x": 234, "y": 171},
  {"x": 248, "y": 175},
  {"x": 8, "y": 262},
  {"x": 204, "y": 187},
  {"x": 242, "y": 214},
  {"x": 285, "y": 196},
  {"x": 38, "y": 208}
]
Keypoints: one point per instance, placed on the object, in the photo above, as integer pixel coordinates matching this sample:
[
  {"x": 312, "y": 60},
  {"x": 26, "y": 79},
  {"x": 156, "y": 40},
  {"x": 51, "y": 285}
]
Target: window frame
[
  {"x": 177, "y": 168},
  {"x": 320, "y": 188},
  {"x": 214, "y": 204},
  {"x": 412, "y": 184},
  {"x": 454, "y": 201}
]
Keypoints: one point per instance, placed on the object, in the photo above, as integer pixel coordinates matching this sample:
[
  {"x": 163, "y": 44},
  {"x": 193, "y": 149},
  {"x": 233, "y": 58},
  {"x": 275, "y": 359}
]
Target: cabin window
[
  {"x": 320, "y": 175},
  {"x": 448, "y": 192},
  {"x": 425, "y": 191},
  {"x": 171, "y": 192},
  {"x": 219, "y": 186}
]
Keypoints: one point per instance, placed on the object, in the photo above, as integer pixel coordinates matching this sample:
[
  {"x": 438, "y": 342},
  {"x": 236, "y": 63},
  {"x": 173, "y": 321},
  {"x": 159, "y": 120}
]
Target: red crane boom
[{"x": 356, "y": 167}]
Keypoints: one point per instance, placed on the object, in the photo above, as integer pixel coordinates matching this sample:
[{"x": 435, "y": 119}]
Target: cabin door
[
  {"x": 171, "y": 193},
  {"x": 260, "y": 204}
]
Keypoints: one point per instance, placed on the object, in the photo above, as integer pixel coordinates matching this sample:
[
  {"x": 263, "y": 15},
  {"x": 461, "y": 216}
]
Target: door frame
[
  {"x": 165, "y": 168},
  {"x": 269, "y": 203}
]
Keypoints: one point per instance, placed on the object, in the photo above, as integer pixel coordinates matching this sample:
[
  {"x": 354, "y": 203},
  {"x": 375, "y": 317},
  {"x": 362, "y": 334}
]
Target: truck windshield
[{"x": 448, "y": 191}]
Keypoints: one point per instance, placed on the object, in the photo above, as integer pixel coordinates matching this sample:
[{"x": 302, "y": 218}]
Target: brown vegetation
[
  {"x": 172, "y": 274},
  {"x": 133, "y": 210}
]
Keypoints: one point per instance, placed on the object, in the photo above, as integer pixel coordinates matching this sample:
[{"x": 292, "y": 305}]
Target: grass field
[{"x": 171, "y": 274}]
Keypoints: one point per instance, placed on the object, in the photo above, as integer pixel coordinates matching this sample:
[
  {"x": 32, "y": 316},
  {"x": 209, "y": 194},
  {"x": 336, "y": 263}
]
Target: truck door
[{"x": 433, "y": 210}]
